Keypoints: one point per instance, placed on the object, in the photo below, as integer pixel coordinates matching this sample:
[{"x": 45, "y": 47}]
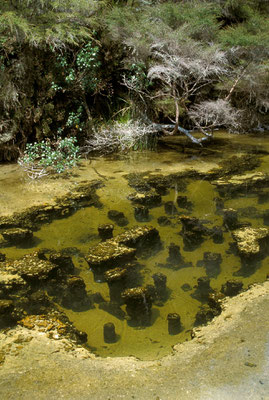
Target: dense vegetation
[{"x": 67, "y": 67}]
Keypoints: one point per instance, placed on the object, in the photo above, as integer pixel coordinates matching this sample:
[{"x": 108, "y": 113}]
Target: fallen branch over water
[
  {"x": 164, "y": 127},
  {"x": 133, "y": 135}
]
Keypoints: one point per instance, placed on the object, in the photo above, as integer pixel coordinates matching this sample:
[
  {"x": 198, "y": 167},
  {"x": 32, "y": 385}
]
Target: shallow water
[{"x": 81, "y": 231}]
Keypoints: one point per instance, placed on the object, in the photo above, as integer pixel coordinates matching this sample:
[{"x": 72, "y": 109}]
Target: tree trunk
[{"x": 89, "y": 116}]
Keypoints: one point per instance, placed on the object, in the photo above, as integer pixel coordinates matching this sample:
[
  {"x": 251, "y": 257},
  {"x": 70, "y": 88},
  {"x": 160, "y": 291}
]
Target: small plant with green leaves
[
  {"x": 82, "y": 72},
  {"x": 46, "y": 157},
  {"x": 75, "y": 120}
]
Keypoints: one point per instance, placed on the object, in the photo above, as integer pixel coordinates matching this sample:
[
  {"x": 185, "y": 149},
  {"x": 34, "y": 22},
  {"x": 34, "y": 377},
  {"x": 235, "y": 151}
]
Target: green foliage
[
  {"x": 193, "y": 28},
  {"x": 137, "y": 76},
  {"x": 236, "y": 11},
  {"x": 75, "y": 119},
  {"x": 201, "y": 18},
  {"x": 138, "y": 27},
  {"x": 82, "y": 72},
  {"x": 46, "y": 22},
  {"x": 87, "y": 57},
  {"x": 253, "y": 33},
  {"x": 131, "y": 28},
  {"x": 65, "y": 64},
  {"x": 48, "y": 55},
  {"x": 56, "y": 157},
  {"x": 166, "y": 107}
]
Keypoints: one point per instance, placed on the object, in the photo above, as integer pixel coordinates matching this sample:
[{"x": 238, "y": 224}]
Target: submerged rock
[
  {"x": 230, "y": 219},
  {"x": 239, "y": 164},
  {"x": 6, "y": 307},
  {"x": 263, "y": 195},
  {"x": 217, "y": 234},
  {"x": 203, "y": 289},
  {"x": 106, "y": 231},
  {"x": 164, "y": 221},
  {"x": 73, "y": 294},
  {"x": 108, "y": 254},
  {"x": 116, "y": 274},
  {"x": 186, "y": 287},
  {"x": 170, "y": 208},
  {"x": 193, "y": 224},
  {"x": 228, "y": 186},
  {"x": 30, "y": 267},
  {"x": 249, "y": 240},
  {"x": 17, "y": 235},
  {"x": 160, "y": 285},
  {"x": 64, "y": 262},
  {"x": 114, "y": 214},
  {"x": 249, "y": 212},
  {"x": 76, "y": 286},
  {"x": 109, "y": 333},
  {"x": 203, "y": 284},
  {"x": 215, "y": 301},
  {"x": 118, "y": 217},
  {"x": 149, "y": 199},
  {"x": 97, "y": 298},
  {"x": 116, "y": 279},
  {"x": 11, "y": 282},
  {"x": 174, "y": 323},
  {"x": 175, "y": 260},
  {"x": 161, "y": 188},
  {"x": 151, "y": 289},
  {"x": 193, "y": 232},
  {"x": 160, "y": 183},
  {"x": 38, "y": 303},
  {"x": 211, "y": 262},
  {"x": 205, "y": 315},
  {"x": 144, "y": 182},
  {"x": 183, "y": 202},
  {"x": 232, "y": 287},
  {"x": 137, "y": 181},
  {"x": 138, "y": 304},
  {"x": 139, "y": 236},
  {"x": 175, "y": 256},
  {"x": 141, "y": 213}
]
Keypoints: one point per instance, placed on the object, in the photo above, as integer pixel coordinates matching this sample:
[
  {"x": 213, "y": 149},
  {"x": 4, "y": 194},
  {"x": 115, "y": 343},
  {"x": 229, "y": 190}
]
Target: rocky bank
[{"x": 227, "y": 359}]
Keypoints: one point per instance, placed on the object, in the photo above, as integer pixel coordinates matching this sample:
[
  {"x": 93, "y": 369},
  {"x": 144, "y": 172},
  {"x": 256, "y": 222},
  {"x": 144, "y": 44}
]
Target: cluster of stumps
[
  {"x": 33, "y": 284},
  {"x": 114, "y": 261}
]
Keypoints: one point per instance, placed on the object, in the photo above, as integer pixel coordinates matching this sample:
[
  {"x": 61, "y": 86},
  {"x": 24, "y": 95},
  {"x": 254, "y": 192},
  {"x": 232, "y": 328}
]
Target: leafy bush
[{"x": 40, "y": 159}]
